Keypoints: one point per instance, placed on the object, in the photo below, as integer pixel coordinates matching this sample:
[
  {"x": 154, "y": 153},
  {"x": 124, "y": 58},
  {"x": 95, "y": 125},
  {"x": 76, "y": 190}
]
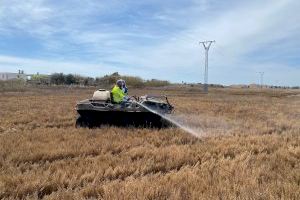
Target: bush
[
  {"x": 133, "y": 81},
  {"x": 70, "y": 79},
  {"x": 107, "y": 80},
  {"x": 57, "y": 79}
]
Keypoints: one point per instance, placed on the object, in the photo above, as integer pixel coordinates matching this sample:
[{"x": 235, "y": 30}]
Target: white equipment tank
[{"x": 101, "y": 95}]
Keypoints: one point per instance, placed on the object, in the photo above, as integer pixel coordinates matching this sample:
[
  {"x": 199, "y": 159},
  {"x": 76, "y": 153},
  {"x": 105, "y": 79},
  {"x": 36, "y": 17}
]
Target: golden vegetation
[{"x": 254, "y": 154}]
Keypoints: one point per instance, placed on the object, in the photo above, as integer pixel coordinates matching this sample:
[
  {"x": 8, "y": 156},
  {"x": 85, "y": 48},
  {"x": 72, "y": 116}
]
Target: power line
[{"x": 206, "y": 45}]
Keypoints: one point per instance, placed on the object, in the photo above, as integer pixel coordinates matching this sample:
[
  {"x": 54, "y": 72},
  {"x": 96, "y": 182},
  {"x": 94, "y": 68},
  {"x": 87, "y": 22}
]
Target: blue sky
[{"x": 154, "y": 39}]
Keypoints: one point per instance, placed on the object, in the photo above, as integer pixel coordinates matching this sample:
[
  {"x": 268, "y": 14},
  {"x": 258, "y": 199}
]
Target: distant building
[{"x": 4, "y": 76}]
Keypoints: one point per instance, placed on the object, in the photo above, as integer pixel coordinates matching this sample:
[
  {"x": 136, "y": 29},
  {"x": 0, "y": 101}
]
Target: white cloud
[
  {"x": 32, "y": 66},
  {"x": 9, "y": 63}
]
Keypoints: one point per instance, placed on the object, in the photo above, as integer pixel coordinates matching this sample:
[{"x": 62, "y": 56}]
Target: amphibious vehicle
[{"x": 144, "y": 111}]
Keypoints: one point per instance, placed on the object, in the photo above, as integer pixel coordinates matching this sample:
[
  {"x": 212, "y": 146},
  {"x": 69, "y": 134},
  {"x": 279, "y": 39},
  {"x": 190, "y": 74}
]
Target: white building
[{"x": 4, "y": 76}]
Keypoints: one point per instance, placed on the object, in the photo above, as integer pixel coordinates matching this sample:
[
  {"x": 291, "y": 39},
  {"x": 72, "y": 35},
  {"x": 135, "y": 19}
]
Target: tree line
[{"x": 107, "y": 80}]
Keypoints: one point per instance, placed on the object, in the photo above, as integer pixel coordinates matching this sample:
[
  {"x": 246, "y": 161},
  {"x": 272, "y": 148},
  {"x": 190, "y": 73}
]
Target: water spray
[{"x": 172, "y": 121}]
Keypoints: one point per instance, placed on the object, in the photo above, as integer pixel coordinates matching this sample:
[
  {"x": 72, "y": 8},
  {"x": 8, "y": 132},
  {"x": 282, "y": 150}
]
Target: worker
[{"x": 117, "y": 93}]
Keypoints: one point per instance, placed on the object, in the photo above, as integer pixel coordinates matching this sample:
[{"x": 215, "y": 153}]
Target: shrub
[
  {"x": 107, "y": 80},
  {"x": 57, "y": 78},
  {"x": 70, "y": 79},
  {"x": 133, "y": 81}
]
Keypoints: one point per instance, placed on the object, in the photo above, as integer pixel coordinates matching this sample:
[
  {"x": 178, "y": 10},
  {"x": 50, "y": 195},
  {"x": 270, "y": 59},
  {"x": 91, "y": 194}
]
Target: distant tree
[
  {"x": 133, "y": 81},
  {"x": 156, "y": 83},
  {"x": 108, "y": 79},
  {"x": 115, "y": 74},
  {"x": 70, "y": 79},
  {"x": 88, "y": 81},
  {"x": 78, "y": 79},
  {"x": 57, "y": 78}
]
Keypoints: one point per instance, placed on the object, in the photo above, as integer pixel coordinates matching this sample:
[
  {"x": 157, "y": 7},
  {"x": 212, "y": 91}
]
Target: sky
[{"x": 154, "y": 39}]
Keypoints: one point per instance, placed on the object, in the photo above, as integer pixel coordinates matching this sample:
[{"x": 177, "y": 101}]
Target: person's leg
[{"x": 125, "y": 102}]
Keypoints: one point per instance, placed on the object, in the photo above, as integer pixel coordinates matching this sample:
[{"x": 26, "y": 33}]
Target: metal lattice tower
[
  {"x": 206, "y": 45},
  {"x": 261, "y": 79}
]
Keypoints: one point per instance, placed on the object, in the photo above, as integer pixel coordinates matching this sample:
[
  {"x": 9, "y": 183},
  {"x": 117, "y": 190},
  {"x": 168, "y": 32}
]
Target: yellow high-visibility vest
[{"x": 117, "y": 94}]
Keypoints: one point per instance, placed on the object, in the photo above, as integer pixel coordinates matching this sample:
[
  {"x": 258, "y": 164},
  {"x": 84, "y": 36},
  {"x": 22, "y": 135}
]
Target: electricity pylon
[
  {"x": 206, "y": 45},
  {"x": 261, "y": 79}
]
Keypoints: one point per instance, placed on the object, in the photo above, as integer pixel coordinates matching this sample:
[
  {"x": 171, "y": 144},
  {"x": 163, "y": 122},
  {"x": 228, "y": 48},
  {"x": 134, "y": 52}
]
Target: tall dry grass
[{"x": 254, "y": 152}]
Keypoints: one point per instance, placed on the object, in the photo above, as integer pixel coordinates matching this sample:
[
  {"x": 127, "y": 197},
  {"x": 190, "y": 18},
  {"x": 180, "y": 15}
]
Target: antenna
[{"x": 206, "y": 45}]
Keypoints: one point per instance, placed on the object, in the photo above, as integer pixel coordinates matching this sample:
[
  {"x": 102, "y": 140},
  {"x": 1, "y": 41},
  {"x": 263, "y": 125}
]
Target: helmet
[{"x": 119, "y": 83}]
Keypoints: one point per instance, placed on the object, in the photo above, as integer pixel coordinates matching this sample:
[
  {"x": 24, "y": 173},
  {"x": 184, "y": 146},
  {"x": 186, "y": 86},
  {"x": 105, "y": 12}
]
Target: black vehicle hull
[{"x": 94, "y": 118}]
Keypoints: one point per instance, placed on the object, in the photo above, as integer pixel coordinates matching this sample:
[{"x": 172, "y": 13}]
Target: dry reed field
[{"x": 249, "y": 148}]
